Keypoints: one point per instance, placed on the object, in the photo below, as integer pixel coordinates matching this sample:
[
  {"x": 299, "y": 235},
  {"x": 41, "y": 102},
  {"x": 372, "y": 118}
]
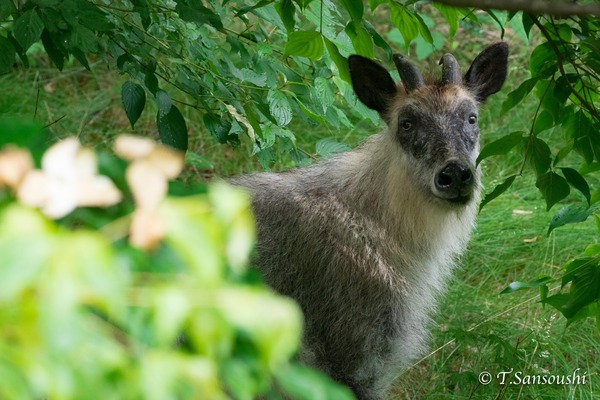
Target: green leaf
[
  {"x": 354, "y": 8},
  {"x": 543, "y": 121},
  {"x": 585, "y": 289},
  {"x": 253, "y": 119},
  {"x": 542, "y": 62},
  {"x": 303, "y": 383},
  {"x": 539, "y": 154},
  {"x": 248, "y": 75},
  {"x": 544, "y": 293},
  {"x": 5, "y": 9},
  {"x": 218, "y": 127},
  {"x": 324, "y": 92},
  {"x": 527, "y": 23},
  {"x": 553, "y": 187},
  {"x": 28, "y": 28},
  {"x": 267, "y": 139},
  {"x": 498, "y": 21},
  {"x": 247, "y": 9},
  {"x": 53, "y": 20},
  {"x": 305, "y": 44},
  {"x": 374, "y": 3},
  {"x": 287, "y": 11},
  {"x": 498, "y": 190},
  {"x": 280, "y": 107},
  {"x": 578, "y": 182},
  {"x": 239, "y": 378},
  {"x": 134, "y": 101},
  {"x": 500, "y": 146},
  {"x": 515, "y": 97},
  {"x": 592, "y": 250},
  {"x": 310, "y": 114},
  {"x": 424, "y": 29},
  {"x": 21, "y": 52},
  {"x": 585, "y": 134},
  {"x": 451, "y": 15},
  {"x": 378, "y": 40},
  {"x": 328, "y": 147},
  {"x": 565, "y": 33},
  {"x": 163, "y": 102},
  {"x": 57, "y": 56},
  {"x": 141, "y": 7},
  {"x": 557, "y": 301},
  {"x": 80, "y": 56},
  {"x": 194, "y": 11},
  {"x": 515, "y": 286},
  {"x": 92, "y": 17},
  {"x": 568, "y": 215},
  {"x": 7, "y": 55},
  {"x": 361, "y": 39},
  {"x": 573, "y": 267},
  {"x": 151, "y": 82},
  {"x": 562, "y": 153},
  {"x": 595, "y": 196},
  {"x": 406, "y": 23},
  {"x": 25, "y": 246},
  {"x": 303, "y": 3},
  {"x": 84, "y": 39},
  {"x": 340, "y": 61},
  {"x": 172, "y": 129},
  {"x": 124, "y": 62}
]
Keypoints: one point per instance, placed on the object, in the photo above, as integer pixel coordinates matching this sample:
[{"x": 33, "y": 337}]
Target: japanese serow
[{"x": 365, "y": 241}]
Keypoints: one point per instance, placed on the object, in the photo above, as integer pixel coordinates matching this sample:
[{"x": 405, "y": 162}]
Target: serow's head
[{"x": 434, "y": 124}]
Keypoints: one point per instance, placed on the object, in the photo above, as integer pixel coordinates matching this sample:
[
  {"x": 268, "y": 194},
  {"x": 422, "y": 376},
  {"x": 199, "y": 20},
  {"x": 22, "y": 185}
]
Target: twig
[
  {"x": 55, "y": 121},
  {"x": 37, "y": 102},
  {"x": 537, "y": 7}
]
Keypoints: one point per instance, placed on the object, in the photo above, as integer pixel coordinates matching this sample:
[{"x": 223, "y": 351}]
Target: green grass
[
  {"x": 510, "y": 244},
  {"x": 476, "y": 329}
]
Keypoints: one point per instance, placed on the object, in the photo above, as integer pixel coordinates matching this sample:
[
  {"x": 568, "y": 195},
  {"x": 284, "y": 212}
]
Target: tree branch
[{"x": 537, "y": 7}]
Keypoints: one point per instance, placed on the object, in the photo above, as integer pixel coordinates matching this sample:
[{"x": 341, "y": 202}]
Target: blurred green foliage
[{"x": 85, "y": 315}]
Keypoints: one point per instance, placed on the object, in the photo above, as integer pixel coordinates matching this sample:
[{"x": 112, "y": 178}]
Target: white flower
[
  {"x": 148, "y": 175},
  {"x": 15, "y": 163},
  {"x": 68, "y": 179}
]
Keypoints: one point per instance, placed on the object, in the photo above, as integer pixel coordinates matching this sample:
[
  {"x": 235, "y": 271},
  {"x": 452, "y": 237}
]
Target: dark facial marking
[{"x": 433, "y": 129}]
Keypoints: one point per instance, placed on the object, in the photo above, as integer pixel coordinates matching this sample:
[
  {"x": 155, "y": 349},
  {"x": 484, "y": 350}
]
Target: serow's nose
[{"x": 455, "y": 182}]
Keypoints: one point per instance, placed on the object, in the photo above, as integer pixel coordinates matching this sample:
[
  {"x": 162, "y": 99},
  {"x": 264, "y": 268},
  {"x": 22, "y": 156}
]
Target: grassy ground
[{"x": 477, "y": 329}]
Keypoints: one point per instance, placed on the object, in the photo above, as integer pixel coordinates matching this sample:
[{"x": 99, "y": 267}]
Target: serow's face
[
  {"x": 435, "y": 124},
  {"x": 437, "y": 129}
]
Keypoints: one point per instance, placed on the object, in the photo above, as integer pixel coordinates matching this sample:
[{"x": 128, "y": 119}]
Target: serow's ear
[
  {"x": 372, "y": 83},
  {"x": 488, "y": 71}
]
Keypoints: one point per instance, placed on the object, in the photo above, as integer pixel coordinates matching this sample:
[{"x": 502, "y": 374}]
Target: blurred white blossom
[
  {"x": 68, "y": 179},
  {"x": 152, "y": 165},
  {"x": 15, "y": 163}
]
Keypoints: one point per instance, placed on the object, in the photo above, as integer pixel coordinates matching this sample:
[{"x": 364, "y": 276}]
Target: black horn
[
  {"x": 411, "y": 78},
  {"x": 451, "y": 74}
]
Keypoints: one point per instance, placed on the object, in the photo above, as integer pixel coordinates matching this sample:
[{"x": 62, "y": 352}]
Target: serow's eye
[
  {"x": 472, "y": 119},
  {"x": 406, "y": 125}
]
